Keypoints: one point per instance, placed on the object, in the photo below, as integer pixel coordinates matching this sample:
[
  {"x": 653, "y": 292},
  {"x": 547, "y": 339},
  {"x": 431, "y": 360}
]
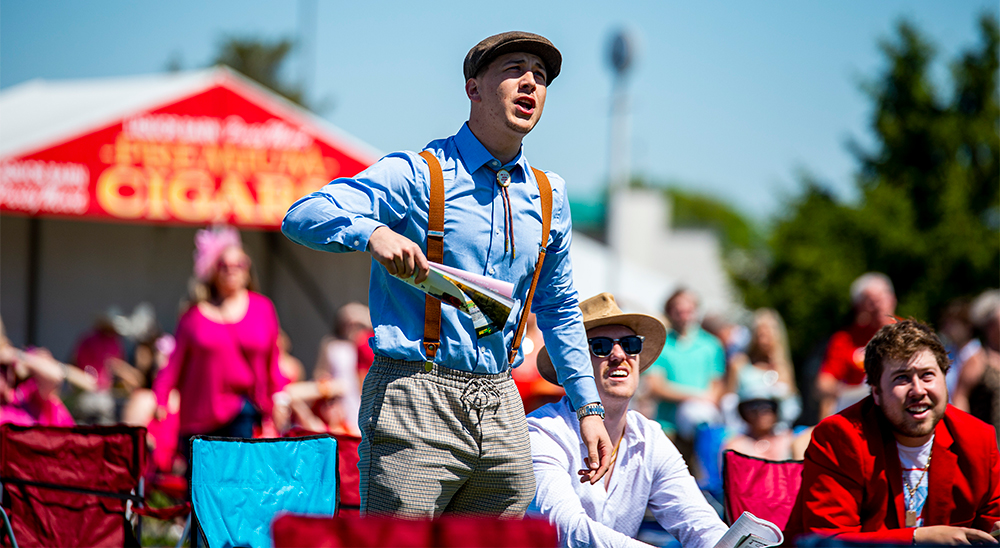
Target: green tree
[
  {"x": 929, "y": 199},
  {"x": 262, "y": 61}
]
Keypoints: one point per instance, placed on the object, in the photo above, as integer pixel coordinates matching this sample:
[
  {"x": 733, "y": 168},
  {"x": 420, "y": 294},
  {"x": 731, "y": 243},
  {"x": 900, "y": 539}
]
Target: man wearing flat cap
[
  {"x": 443, "y": 427},
  {"x": 646, "y": 469}
]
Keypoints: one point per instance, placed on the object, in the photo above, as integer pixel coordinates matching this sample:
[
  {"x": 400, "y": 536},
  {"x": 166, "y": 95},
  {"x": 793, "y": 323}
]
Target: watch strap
[{"x": 594, "y": 408}]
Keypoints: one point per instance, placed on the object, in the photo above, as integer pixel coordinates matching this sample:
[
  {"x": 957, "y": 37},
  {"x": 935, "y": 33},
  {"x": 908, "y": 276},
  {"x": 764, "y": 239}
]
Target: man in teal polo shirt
[{"x": 689, "y": 370}]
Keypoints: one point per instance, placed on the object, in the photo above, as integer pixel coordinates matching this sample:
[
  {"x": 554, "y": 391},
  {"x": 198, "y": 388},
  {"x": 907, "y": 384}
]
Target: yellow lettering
[
  {"x": 234, "y": 198},
  {"x": 121, "y": 191},
  {"x": 211, "y": 159},
  {"x": 293, "y": 163},
  {"x": 157, "y": 191},
  {"x": 184, "y": 156},
  {"x": 123, "y": 150},
  {"x": 107, "y": 154},
  {"x": 275, "y": 193},
  {"x": 156, "y": 155},
  {"x": 314, "y": 162},
  {"x": 238, "y": 159},
  {"x": 266, "y": 160},
  {"x": 189, "y": 196}
]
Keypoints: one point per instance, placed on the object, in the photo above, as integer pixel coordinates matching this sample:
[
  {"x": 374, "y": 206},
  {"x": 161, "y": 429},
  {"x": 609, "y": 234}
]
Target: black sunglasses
[{"x": 602, "y": 346}]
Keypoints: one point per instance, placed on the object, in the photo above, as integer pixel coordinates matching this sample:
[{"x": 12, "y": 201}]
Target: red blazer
[{"x": 852, "y": 484}]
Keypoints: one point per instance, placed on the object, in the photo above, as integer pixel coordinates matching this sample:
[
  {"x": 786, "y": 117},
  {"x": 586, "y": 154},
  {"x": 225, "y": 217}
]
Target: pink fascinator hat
[{"x": 209, "y": 243}]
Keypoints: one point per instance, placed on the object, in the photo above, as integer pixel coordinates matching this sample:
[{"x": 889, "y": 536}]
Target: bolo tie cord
[{"x": 503, "y": 181}]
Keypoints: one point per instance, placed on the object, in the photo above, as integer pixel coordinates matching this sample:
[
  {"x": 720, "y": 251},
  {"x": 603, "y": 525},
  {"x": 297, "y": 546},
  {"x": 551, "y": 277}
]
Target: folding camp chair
[
  {"x": 293, "y": 531},
  {"x": 238, "y": 485},
  {"x": 72, "y": 486},
  {"x": 765, "y": 488},
  {"x": 349, "y": 489}
]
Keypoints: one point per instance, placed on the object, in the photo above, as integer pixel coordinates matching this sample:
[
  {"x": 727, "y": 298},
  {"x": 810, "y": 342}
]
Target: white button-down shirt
[{"x": 649, "y": 471}]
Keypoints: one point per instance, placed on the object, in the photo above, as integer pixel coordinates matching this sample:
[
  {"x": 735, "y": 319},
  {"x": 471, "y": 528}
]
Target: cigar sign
[{"x": 217, "y": 156}]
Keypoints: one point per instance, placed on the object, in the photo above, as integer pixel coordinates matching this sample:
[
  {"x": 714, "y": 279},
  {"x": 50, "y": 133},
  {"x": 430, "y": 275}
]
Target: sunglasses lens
[
  {"x": 631, "y": 344},
  {"x": 601, "y": 346}
]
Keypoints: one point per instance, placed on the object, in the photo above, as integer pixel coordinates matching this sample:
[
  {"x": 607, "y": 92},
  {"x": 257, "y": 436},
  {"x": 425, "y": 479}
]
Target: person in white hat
[{"x": 646, "y": 469}]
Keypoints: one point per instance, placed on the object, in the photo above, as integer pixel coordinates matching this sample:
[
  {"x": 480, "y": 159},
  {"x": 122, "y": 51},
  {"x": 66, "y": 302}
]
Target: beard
[{"x": 903, "y": 423}]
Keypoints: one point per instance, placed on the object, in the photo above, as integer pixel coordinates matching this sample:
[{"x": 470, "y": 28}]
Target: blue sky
[{"x": 729, "y": 98}]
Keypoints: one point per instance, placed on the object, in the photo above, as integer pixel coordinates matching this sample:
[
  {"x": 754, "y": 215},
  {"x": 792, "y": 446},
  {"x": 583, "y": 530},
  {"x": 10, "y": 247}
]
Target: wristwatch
[{"x": 590, "y": 409}]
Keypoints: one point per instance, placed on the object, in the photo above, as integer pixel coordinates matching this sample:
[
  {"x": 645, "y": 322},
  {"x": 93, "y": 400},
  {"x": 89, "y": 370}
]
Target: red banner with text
[{"x": 214, "y": 157}]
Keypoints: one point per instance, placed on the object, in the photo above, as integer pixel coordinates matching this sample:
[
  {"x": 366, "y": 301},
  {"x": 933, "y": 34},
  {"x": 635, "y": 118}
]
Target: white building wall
[{"x": 639, "y": 227}]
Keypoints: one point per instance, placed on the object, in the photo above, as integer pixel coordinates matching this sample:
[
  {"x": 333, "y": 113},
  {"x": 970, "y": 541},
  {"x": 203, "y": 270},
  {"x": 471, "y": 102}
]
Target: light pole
[{"x": 621, "y": 54}]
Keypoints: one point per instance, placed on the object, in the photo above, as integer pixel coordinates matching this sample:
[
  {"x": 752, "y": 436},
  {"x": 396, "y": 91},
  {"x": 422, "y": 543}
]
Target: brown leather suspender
[
  {"x": 545, "y": 192},
  {"x": 435, "y": 253}
]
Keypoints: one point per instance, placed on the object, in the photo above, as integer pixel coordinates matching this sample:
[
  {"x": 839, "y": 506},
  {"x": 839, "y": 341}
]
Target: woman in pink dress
[{"x": 225, "y": 364}]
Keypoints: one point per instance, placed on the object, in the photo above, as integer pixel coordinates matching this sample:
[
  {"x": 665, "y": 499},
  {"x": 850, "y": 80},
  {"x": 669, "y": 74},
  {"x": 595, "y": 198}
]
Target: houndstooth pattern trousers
[{"x": 442, "y": 441}]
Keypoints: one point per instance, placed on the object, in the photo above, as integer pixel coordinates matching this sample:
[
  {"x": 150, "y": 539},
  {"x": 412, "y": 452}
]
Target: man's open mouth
[
  {"x": 527, "y": 104},
  {"x": 918, "y": 410},
  {"x": 619, "y": 373}
]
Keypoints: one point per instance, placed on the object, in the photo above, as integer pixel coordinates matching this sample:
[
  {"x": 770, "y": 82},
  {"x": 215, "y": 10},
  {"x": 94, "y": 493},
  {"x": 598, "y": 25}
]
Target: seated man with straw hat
[{"x": 646, "y": 469}]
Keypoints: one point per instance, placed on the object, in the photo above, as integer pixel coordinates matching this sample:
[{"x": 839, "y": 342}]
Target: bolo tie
[{"x": 503, "y": 181}]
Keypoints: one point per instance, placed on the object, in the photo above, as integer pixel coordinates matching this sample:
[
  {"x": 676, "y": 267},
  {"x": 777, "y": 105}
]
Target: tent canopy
[{"x": 184, "y": 148}]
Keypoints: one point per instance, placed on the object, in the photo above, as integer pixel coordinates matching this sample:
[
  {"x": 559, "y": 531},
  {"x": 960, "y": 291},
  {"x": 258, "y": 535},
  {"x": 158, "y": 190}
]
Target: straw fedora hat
[{"x": 603, "y": 310}]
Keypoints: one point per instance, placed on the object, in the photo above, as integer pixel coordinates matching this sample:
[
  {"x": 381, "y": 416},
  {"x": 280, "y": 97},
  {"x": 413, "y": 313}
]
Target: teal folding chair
[{"x": 238, "y": 485}]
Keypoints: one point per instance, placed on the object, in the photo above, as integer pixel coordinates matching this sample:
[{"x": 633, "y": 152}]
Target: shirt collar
[{"x": 475, "y": 155}]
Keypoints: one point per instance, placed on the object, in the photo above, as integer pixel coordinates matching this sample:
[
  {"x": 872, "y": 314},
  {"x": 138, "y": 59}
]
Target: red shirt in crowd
[{"x": 845, "y": 354}]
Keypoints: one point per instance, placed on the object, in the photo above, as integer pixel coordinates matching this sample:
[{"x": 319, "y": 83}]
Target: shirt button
[
  {"x": 357, "y": 243},
  {"x": 493, "y": 270},
  {"x": 494, "y": 164}
]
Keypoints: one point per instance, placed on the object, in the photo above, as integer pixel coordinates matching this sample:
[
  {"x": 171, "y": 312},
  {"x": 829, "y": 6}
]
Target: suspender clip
[{"x": 430, "y": 348}]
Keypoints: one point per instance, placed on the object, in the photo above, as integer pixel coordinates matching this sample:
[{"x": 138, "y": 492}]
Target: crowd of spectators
[
  {"x": 731, "y": 381},
  {"x": 227, "y": 370},
  {"x": 734, "y": 383}
]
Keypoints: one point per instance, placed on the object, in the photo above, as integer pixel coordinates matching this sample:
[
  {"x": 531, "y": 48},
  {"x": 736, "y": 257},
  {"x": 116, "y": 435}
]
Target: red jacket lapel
[{"x": 941, "y": 478}]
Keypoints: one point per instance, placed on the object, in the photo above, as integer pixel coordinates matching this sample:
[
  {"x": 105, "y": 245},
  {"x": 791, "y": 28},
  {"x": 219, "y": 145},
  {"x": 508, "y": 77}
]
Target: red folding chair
[
  {"x": 765, "y": 488},
  {"x": 447, "y": 531},
  {"x": 350, "y": 477},
  {"x": 72, "y": 486},
  {"x": 349, "y": 491}
]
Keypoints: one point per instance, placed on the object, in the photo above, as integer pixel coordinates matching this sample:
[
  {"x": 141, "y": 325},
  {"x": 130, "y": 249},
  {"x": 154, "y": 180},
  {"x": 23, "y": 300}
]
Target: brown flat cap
[{"x": 480, "y": 56}]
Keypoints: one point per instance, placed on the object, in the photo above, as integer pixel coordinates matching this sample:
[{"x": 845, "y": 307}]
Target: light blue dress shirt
[{"x": 394, "y": 192}]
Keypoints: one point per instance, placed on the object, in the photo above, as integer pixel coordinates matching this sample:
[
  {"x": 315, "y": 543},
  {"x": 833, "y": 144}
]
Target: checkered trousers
[{"x": 442, "y": 441}]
